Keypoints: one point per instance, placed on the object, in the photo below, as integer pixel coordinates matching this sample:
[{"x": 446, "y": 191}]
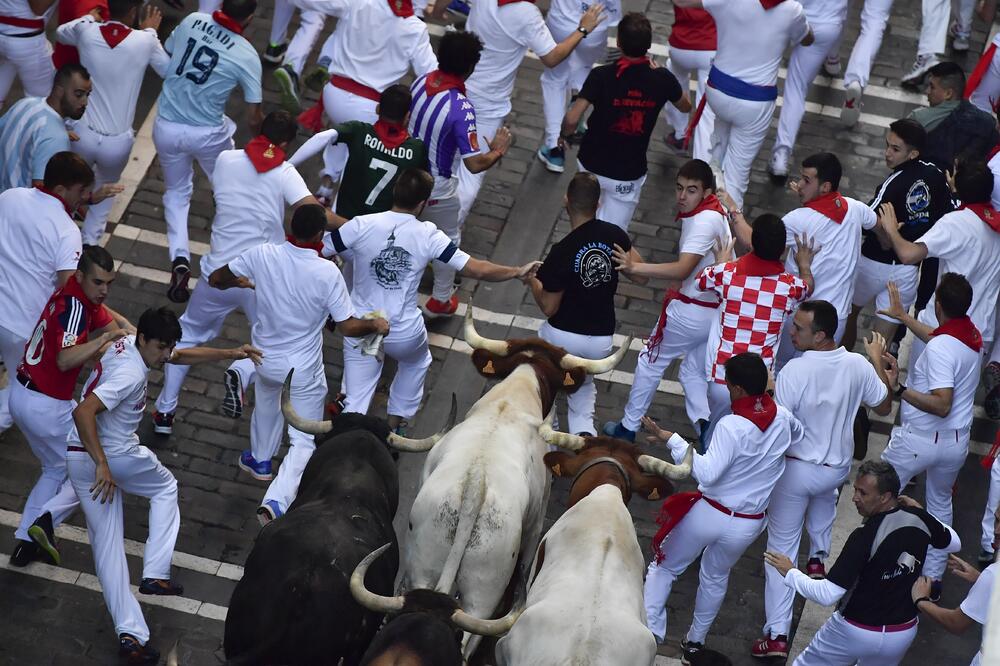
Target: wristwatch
[
  {"x": 583, "y": 31},
  {"x": 900, "y": 390}
]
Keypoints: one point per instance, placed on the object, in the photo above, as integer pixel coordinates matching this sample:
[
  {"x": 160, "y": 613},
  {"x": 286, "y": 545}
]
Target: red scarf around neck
[
  {"x": 438, "y": 81},
  {"x": 401, "y": 8},
  {"x": 263, "y": 154},
  {"x": 114, "y": 32},
  {"x": 751, "y": 264},
  {"x": 833, "y": 205},
  {"x": 227, "y": 22},
  {"x": 986, "y": 213},
  {"x": 711, "y": 202},
  {"x": 391, "y": 134},
  {"x": 318, "y": 245},
  {"x": 963, "y": 330},
  {"x": 770, "y": 4},
  {"x": 625, "y": 62},
  {"x": 42, "y": 188},
  {"x": 758, "y": 409},
  {"x": 993, "y": 153}
]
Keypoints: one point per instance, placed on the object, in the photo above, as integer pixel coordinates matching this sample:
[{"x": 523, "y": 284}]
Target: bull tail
[{"x": 473, "y": 497}]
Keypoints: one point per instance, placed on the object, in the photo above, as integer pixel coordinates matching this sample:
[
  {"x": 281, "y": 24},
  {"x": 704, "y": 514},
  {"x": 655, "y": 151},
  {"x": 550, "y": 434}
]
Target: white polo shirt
[
  {"x": 37, "y": 240},
  {"x": 119, "y": 381},
  {"x": 296, "y": 290},
  {"x": 116, "y": 71},
  {"x": 752, "y": 40},
  {"x": 827, "y": 408},
  {"x": 699, "y": 234},
  {"x": 977, "y": 602},
  {"x": 967, "y": 246},
  {"x": 834, "y": 266},
  {"x": 249, "y": 206},
  {"x": 390, "y": 252},
  {"x": 944, "y": 363},
  {"x": 507, "y": 33}
]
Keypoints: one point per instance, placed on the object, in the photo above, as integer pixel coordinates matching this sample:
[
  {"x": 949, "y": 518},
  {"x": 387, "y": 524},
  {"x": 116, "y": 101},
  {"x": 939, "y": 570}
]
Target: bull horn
[
  {"x": 596, "y": 366},
  {"x": 474, "y": 625},
  {"x": 172, "y": 655},
  {"x": 367, "y": 598},
  {"x": 476, "y": 341},
  {"x": 308, "y": 426},
  {"x": 666, "y": 470},
  {"x": 401, "y": 443},
  {"x": 563, "y": 440}
]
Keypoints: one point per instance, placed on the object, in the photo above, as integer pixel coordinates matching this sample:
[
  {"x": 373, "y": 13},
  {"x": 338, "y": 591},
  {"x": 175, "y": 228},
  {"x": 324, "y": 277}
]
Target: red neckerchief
[
  {"x": 711, "y": 202},
  {"x": 986, "y": 213},
  {"x": 770, "y": 4},
  {"x": 438, "y": 81},
  {"x": 42, "y": 188},
  {"x": 963, "y": 330},
  {"x": 758, "y": 409},
  {"x": 401, "y": 8},
  {"x": 625, "y": 62},
  {"x": 671, "y": 513},
  {"x": 751, "y": 264},
  {"x": 114, "y": 32},
  {"x": 832, "y": 205},
  {"x": 227, "y": 22},
  {"x": 74, "y": 289},
  {"x": 318, "y": 245},
  {"x": 391, "y": 134},
  {"x": 501, "y": 3},
  {"x": 990, "y": 458},
  {"x": 263, "y": 154},
  {"x": 993, "y": 152}
]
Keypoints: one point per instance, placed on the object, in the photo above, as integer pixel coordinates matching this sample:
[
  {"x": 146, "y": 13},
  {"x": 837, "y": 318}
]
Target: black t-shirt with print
[
  {"x": 580, "y": 266},
  {"x": 879, "y": 585},
  {"x": 625, "y": 111}
]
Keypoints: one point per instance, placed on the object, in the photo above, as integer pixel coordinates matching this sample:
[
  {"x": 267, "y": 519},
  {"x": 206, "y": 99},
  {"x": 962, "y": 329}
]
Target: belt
[
  {"x": 726, "y": 510},
  {"x": 807, "y": 461},
  {"x": 739, "y": 88},
  {"x": 887, "y": 628},
  {"x": 653, "y": 344},
  {"x": 35, "y": 24},
  {"x": 353, "y": 87},
  {"x": 26, "y": 382},
  {"x": 76, "y": 449}
]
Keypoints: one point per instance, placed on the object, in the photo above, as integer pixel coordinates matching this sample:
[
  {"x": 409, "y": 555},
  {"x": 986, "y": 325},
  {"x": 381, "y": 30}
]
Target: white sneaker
[
  {"x": 778, "y": 164},
  {"x": 960, "y": 36},
  {"x": 921, "y": 66},
  {"x": 850, "y": 112},
  {"x": 831, "y": 66}
]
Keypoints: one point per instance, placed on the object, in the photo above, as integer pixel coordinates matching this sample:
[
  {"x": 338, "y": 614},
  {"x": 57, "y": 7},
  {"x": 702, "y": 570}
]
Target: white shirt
[
  {"x": 742, "y": 464},
  {"x": 567, "y": 14},
  {"x": 994, "y": 165},
  {"x": 825, "y": 12},
  {"x": 944, "y": 363},
  {"x": 834, "y": 266},
  {"x": 977, "y": 602},
  {"x": 967, "y": 246},
  {"x": 37, "y": 240},
  {"x": 390, "y": 252},
  {"x": 699, "y": 234},
  {"x": 120, "y": 383},
  {"x": 827, "y": 408},
  {"x": 296, "y": 290},
  {"x": 752, "y": 40},
  {"x": 115, "y": 72},
  {"x": 507, "y": 33},
  {"x": 249, "y": 206}
]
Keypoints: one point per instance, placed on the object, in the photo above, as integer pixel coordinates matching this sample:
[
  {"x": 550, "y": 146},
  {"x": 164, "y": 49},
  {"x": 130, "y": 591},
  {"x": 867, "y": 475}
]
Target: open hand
[
  {"x": 592, "y": 17},
  {"x": 921, "y": 588},
  {"x": 657, "y": 435},
  {"x": 105, "y": 191},
  {"x": 250, "y": 352},
  {"x": 779, "y": 562},
  {"x": 962, "y": 569},
  {"x": 723, "y": 249},
  {"x": 806, "y": 249},
  {"x": 104, "y": 485},
  {"x": 887, "y": 218},
  {"x": 895, "y": 309},
  {"x": 622, "y": 258},
  {"x": 501, "y": 141},
  {"x": 151, "y": 18}
]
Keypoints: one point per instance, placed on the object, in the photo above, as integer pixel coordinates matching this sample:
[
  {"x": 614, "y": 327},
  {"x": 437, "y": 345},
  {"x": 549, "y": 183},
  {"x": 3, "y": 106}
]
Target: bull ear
[
  {"x": 559, "y": 462},
  {"x": 651, "y": 487}
]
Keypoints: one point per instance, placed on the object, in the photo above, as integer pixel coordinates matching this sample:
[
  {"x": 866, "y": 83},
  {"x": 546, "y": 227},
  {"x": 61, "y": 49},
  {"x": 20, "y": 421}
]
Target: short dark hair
[
  {"x": 635, "y": 34},
  {"x": 950, "y": 77},
  {"x": 768, "y": 237},
  {"x": 307, "y": 221},
  {"x": 239, "y": 10},
  {"x": 279, "y": 127},
  {"x": 824, "y": 317},
  {"x": 886, "y": 478},
  {"x": 910, "y": 132},
  {"x": 584, "y": 193},
  {"x": 394, "y": 103},
  {"x": 458, "y": 52},
  {"x": 119, "y": 8},
  {"x": 954, "y": 295},
  {"x": 827, "y": 166},
  {"x": 747, "y": 370},
  {"x": 413, "y": 186},
  {"x": 973, "y": 182},
  {"x": 95, "y": 255},
  {"x": 159, "y": 324},
  {"x": 66, "y": 168},
  {"x": 65, "y": 73},
  {"x": 700, "y": 171}
]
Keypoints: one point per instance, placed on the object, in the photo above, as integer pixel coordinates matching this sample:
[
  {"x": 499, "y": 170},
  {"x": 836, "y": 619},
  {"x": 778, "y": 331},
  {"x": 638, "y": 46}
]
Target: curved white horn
[
  {"x": 401, "y": 443},
  {"x": 665, "y": 469},
  {"x": 308, "y": 426},
  {"x": 596, "y": 366},
  {"x": 563, "y": 440},
  {"x": 474, "y": 625},
  {"x": 367, "y": 598},
  {"x": 476, "y": 341}
]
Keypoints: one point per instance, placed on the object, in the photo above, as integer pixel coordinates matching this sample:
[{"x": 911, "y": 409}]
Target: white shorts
[{"x": 871, "y": 279}]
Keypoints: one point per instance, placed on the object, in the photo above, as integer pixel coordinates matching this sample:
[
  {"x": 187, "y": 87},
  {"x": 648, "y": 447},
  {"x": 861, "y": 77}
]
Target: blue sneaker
[
  {"x": 459, "y": 7},
  {"x": 268, "y": 511},
  {"x": 617, "y": 430},
  {"x": 258, "y": 469},
  {"x": 554, "y": 159}
]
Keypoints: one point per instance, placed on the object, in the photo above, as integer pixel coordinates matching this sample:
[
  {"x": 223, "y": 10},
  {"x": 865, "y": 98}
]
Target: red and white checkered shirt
[{"x": 757, "y": 296}]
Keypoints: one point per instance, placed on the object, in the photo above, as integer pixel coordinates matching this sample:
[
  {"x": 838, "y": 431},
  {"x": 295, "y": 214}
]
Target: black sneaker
[
  {"x": 688, "y": 650},
  {"x": 43, "y": 535},
  {"x": 288, "y": 85},
  {"x": 24, "y": 553},
  {"x": 131, "y": 652},
  {"x": 163, "y": 424},
  {"x": 160, "y": 587},
  {"x": 232, "y": 404},
  {"x": 274, "y": 53},
  {"x": 180, "y": 273}
]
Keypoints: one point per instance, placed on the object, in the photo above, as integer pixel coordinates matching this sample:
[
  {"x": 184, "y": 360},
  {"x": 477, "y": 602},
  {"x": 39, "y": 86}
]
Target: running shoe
[
  {"x": 767, "y": 647},
  {"x": 42, "y": 533},
  {"x": 434, "y": 308},
  {"x": 554, "y": 159},
  {"x": 921, "y": 66},
  {"x": 232, "y": 404},
  {"x": 180, "y": 273},
  {"x": 274, "y": 53},
  {"x": 851, "y": 111},
  {"x": 618, "y": 431},
  {"x": 268, "y": 512},
  {"x": 163, "y": 423},
  {"x": 258, "y": 469}
]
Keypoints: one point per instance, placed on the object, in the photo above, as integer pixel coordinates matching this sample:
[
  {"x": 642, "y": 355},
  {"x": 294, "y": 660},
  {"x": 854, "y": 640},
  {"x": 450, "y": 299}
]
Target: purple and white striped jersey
[{"x": 446, "y": 123}]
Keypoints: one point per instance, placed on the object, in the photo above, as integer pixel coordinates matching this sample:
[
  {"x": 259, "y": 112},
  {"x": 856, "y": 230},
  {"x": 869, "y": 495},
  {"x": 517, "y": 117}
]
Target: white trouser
[
  {"x": 803, "y": 66},
  {"x": 838, "y": 643},
  {"x": 871, "y": 281},
  {"x": 107, "y": 154},
  {"x": 468, "y": 182},
  {"x": 444, "y": 213},
  {"x": 874, "y": 16},
  {"x": 988, "y": 90},
  {"x": 202, "y": 320},
  {"x": 685, "y": 334},
  {"x": 341, "y": 106},
  {"x": 137, "y": 472},
  {"x": 580, "y": 404},
  {"x": 805, "y": 492},
  {"x": 992, "y": 501},
  {"x": 933, "y": 26},
  {"x": 209, "y": 6},
  {"x": 558, "y": 82},
  {"x": 786, "y": 350},
  {"x": 282, "y": 16},
  {"x": 307, "y": 393},
  {"x": 362, "y": 373},
  {"x": 11, "y": 352},
  {"x": 723, "y": 538},
  {"x": 177, "y": 147},
  {"x": 29, "y": 59},
  {"x": 305, "y": 38},
  {"x": 44, "y": 421},
  {"x": 618, "y": 198},
  {"x": 683, "y": 64},
  {"x": 941, "y": 454},
  {"x": 740, "y": 128}
]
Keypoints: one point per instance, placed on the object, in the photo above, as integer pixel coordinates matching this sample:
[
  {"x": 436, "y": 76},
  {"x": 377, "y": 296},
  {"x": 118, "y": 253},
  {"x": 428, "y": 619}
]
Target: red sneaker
[
  {"x": 815, "y": 568},
  {"x": 434, "y": 308},
  {"x": 767, "y": 647}
]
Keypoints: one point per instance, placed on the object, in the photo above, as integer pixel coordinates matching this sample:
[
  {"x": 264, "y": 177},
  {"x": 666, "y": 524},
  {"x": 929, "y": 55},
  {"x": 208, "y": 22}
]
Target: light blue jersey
[
  {"x": 31, "y": 132},
  {"x": 206, "y": 62}
]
